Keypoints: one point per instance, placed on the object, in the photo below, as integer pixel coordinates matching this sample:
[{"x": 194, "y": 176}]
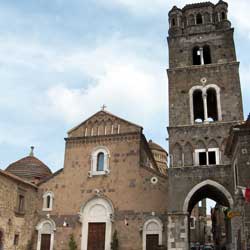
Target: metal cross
[{"x": 103, "y": 107}]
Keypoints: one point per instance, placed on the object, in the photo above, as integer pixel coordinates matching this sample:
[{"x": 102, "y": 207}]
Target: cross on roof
[{"x": 103, "y": 107}]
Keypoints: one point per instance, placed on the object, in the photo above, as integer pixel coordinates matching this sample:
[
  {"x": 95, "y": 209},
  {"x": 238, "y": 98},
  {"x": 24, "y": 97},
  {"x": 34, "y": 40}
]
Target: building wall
[
  {"x": 128, "y": 186},
  {"x": 11, "y": 221}
]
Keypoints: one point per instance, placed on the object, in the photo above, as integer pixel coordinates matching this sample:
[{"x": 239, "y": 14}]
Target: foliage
[
  {"x": 72, "y": 243},
  {"x": 115, "y": 243}
]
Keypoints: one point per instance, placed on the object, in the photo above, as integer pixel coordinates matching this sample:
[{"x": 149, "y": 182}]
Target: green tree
[
  {"x": 115, "y": 243},
  {"x": 72, "y": 243}
]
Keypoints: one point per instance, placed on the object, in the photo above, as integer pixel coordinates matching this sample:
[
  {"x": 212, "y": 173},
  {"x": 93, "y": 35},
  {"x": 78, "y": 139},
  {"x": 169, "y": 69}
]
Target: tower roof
[
  {"x": 29, "y": 168},
  {"x": 198, "y": 5}
]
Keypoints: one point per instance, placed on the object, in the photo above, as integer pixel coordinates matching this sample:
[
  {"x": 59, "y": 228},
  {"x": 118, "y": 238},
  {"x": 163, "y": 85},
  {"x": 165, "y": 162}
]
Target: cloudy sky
[{"x": 61, "y": 60}]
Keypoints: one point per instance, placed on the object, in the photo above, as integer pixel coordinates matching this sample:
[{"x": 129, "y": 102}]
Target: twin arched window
[{"x": 205, "y": 104}]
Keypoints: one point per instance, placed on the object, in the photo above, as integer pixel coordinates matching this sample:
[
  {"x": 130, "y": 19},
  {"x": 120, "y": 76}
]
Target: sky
[{"x": 61, "y": 60}]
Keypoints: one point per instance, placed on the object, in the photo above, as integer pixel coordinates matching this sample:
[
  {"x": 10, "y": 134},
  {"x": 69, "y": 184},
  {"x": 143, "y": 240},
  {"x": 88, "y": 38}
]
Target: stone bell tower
[{"x": 204, "y": 85}]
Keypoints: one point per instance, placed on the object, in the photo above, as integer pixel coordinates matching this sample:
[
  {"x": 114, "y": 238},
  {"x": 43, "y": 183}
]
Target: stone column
[
  {"x": 204, "y": 96},
  {"x": 178, "y": 231}
]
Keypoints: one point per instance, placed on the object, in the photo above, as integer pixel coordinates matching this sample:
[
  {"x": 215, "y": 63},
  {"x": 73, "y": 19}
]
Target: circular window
[
  {"x": 154, "y": 180},
  {"x": 203, "y": 80}
]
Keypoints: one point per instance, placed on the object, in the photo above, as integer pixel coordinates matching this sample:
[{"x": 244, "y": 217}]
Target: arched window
[
  {"x": 188, "y": 154},
  {"x": 191, "y": 20},
  {"x": 198, "y": 107},
  {"x": 223, "y": 15},
  {"x": 48, "y": 201},
  {"x": 173, "y": 23},
  {"x": 196, "y": 56},
  {"x": 199, "y": 19},
  {"x": 100, "y": 162},
  {"x": 177, "y": 156},
  {"x": 212, "y": 109},
  {"x": 207, "y": 18},
  {"x": 206, "y": 54}
]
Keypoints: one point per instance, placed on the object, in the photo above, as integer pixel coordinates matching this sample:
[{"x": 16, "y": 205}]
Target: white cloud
[{"x": 128, "y": 84}]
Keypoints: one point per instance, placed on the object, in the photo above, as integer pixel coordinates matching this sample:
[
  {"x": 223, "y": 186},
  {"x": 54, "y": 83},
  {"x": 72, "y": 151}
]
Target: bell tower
[{"x": 204, "y": 85}]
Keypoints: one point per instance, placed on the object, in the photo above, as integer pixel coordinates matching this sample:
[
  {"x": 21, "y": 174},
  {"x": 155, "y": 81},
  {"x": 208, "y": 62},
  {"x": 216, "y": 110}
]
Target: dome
[
  {"x": 154, "y": 146},
  {"x": 29, "y": 168}
]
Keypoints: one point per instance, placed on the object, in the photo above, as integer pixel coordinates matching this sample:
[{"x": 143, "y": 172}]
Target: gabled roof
[
  {"x": 16, "y": 178},
  {"x": 104, "y": 112}
]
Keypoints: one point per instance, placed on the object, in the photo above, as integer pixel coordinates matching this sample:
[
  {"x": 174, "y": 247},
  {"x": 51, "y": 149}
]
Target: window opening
[
  {"x": 48, "y": 201},
  {"x": 223, "y": 16},
  {"x": 21, "y": 203},
  {"x": 236, "y": 175},
  {"x": 173, "y": 22},
  {"x": 207, "y": 55},
  {"x": 100, "y": 162},
  {"x": 212, "y": 158},
  {"x": 16, "y": 239},
  {"x": 212, "y": 104},
  {"x": 198, "y": 107},
  {"x": 202, "y": 158},
  {"x": 196, "y": 56},
  {"x": 199, "y": 19}
]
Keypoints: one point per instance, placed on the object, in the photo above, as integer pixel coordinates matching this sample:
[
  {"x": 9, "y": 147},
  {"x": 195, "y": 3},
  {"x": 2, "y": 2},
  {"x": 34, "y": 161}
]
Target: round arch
[
  {"x": 46, "y": 227},
  {"x": 152, "y": 226},
  {"x": 96, "y": 210},
  {"x": 222, "y": 194}
]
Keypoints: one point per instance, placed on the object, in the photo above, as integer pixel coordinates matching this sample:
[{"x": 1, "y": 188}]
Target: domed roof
[
  {"x": 29, "y": 168},
  {"x": 154, "y": 146}
]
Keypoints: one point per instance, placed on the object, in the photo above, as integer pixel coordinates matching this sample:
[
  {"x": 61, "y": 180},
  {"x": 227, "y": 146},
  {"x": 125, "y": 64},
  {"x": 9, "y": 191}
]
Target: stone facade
[{"x": 17, "y": 221}]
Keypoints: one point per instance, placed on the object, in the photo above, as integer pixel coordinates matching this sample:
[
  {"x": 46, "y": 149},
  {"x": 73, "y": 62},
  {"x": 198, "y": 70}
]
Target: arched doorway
[
  {"x": 220, "y": 230},
  {"x": 152, "y": 234},
  {"x": 45, "y": 240},
  {"x": 96, "y": 217}
]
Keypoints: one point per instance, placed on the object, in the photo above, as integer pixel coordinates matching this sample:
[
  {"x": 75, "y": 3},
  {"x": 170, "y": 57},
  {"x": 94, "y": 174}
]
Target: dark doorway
[
  {"x": 96, "y": 236},
  {"x": 45, "y": 241},
  {"x": 198, "y": 106},
  {"x": 152, "y": 241}
]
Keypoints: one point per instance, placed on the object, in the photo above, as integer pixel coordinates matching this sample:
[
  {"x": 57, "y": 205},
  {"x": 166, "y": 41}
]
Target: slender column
[
  {"x": 204, "y": 96},
  {"x": 202, "y": 56}
]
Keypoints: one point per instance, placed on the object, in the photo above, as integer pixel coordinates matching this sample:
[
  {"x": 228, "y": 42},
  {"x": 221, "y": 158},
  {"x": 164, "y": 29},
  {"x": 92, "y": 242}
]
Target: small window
[
  {"x": 199, "y": 19},
  {"x": 236, "y": 177},
  {"x": 212, "y": 158},
  {"x": 223, "y": 15},
  {"x": 212, "y": 109},
  {"x": 16, "y": 239},
  {"x": 207, "y": 55},
  {"x": 100, "y": 162},
  {"x": 21, "y": 203},
  {"x": 48, "y": 201},
  {"x": 205, "y": 157},
  {"x": 192, "y": 223},
  {"x": 173, "y": 22},
  {"x": 202, "y": 158},
  {"x": 198, "y": 107},
  {"x": 196, "y": 56}
]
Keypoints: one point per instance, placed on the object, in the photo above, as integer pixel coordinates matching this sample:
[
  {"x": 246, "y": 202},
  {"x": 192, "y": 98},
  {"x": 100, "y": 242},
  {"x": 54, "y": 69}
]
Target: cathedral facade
[{"x": 116, "y": 190}]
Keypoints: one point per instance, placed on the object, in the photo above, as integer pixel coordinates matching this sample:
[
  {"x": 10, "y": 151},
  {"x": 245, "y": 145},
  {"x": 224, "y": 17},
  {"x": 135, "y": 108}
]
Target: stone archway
[{"x": 96, "y": 215}]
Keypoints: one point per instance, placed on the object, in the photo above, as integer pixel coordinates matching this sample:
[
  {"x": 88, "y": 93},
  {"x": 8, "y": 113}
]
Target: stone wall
[{"x": 12, "y": 221}]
